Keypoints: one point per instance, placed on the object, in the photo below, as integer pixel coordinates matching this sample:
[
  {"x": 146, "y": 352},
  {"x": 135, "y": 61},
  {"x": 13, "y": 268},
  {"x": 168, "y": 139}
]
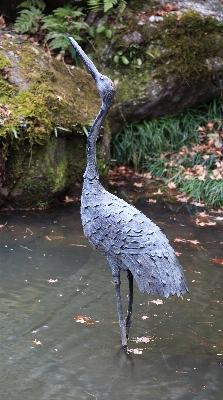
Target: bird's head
[
  {"x": 105, "y": 86},
  {"x": 106, "y": 89}
]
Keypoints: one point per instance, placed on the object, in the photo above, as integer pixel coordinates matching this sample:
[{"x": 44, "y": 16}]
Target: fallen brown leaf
[
  {"x": 78, "y": 245},
  {"x": 2, "y": 21},
  {"x": 204, "y": 223},
  {"x": 157, "y": 301},
  {"x": 148, "y": 175},
  {"x": 138, "y": 184},
  {"x": 169, "y": 7},
  {"x": 171, "y": 185},
  {"x": 217, "y": 260},
  {"x": 186, "y": 240},
  {"x": 158, "y": 193},
  {"x": 195, "y": 203},
  {"x": 83, "y": 320},
  {"x": 151, "y": 201},
  {"x": 37, "y": 342},
  {"x": 142, "y": 339},
  {"x": 135, "y": 351}
]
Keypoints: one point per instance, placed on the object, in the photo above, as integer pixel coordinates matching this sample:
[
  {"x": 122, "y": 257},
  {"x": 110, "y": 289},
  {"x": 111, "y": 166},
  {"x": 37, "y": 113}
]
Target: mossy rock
[
  {"x": 173, "y": 63},
  {"x": 44, "y": 106}
]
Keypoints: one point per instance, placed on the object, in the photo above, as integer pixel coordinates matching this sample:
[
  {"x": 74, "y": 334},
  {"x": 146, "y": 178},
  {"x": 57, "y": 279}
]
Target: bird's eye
[{"x": 101, "y": 77}]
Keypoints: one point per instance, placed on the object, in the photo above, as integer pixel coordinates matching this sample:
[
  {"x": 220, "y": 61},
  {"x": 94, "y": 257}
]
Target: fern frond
[
  {"x": 121, "y": 5},
  {"x": 65, "y": 12},
  {"x": 95, "y": 5},
  {"x": 28, "y": 21},
  {"x": 109, "y": 4},
  {"x": 77, "y": 26},
  {"x": 53, "y": 25},
  {"x": 59, "y": 41},
  {"x": 53, "y": 35},
  {"x": 40, "y": 4}
]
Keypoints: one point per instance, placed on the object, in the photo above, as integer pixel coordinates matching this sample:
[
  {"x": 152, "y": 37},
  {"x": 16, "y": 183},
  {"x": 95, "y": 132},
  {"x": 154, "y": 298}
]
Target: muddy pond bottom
[{"x": 59, "y": 326}]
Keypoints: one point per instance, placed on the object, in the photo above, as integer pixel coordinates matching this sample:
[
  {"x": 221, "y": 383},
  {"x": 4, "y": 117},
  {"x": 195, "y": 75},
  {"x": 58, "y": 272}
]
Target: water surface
[{"x": 50, "y": 275}]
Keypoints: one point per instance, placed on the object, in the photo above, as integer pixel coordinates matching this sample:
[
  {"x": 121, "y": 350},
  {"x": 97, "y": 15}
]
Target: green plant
[
  {"x": 184, "y": 149},
  {"x": 60, "y": 128},
  {"x": 96, "y": 5},
  {"x": 30, "y": 19},
  {"x": 127, "y": 56},
  {"x": 190, "y": 39},
  {"x": 120, "y": 56},
  {"x": 83, "y": 128},
  {"x": 108, "y": 32},
  {"x": 42, "y": 204},
  {"x": 65, "y": 21},
  {"x": 136, "y": 143},
  {"x": 208, "y": 191}
]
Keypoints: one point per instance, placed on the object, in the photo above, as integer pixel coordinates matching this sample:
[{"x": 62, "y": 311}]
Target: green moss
[
  {"x": 46, "y": 102},
  {"x": 39, "y": 165},
  {"x": 42, "y": 175},
  {"x": 181, "y": 45},
  {"x": 6, "y": 90},
  {"x": 4, "y": 62},
  {"x": 190, "y": 40}
]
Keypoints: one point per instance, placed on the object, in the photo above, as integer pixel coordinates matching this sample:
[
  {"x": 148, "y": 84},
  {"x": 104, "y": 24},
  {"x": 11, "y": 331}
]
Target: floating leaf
[
  {"x": 83, "y": 320},
  {"x": 218, "y": 260},
  {"x": 142, "y": 339},
  {"x": 135, "y": 351},
  {"x": 37, "y": 342},
  {"x": 157, "y": 301}
]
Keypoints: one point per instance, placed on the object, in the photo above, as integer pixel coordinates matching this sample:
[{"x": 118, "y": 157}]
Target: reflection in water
[{"x": 50, "y": 275}]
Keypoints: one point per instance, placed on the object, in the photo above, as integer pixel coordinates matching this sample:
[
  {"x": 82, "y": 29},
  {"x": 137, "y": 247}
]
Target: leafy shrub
[{"x": 65, "y": 21}]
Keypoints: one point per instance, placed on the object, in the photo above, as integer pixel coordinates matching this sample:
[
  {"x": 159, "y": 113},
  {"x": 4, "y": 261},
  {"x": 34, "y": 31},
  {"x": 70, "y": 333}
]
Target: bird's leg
[
  {"x": 122, "y": 322},
  {"x": 130, "y": 301}
]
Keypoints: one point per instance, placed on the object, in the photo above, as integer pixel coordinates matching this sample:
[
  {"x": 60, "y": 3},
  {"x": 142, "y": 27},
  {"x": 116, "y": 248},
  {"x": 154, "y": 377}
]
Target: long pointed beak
[{"x": 85, "y": 59}]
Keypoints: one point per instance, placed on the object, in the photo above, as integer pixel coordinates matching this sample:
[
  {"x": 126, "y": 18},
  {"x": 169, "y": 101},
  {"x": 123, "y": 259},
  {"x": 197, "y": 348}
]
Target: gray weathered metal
[{"x": 126, "y": 237}]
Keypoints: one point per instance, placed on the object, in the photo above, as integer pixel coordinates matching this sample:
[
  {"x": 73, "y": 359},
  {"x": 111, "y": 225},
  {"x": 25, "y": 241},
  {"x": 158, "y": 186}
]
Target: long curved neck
[{"x": 92, "y": 170}]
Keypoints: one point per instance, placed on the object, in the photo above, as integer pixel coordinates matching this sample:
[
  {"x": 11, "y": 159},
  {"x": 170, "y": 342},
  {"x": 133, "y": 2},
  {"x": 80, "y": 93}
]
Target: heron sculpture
[{"x": 125, "y": 236}]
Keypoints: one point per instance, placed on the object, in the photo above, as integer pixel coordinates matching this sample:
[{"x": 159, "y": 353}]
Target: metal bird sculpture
[{"x": 126, "y": 237}]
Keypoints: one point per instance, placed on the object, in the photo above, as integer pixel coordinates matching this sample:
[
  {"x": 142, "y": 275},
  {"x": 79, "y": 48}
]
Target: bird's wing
[{"x": 132, "y": 241}]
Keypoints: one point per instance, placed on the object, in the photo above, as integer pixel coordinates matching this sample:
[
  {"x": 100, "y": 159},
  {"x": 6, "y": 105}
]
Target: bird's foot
[{"x": 125, "y": 348}]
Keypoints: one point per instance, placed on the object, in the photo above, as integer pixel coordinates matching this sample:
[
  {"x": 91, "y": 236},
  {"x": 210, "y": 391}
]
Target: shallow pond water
[{"x": 51, "y": 276}]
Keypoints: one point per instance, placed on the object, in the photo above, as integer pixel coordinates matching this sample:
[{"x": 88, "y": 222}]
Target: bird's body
[
  {"x": 130, "y": 240},
  {"x": 126, "y": 237}
]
